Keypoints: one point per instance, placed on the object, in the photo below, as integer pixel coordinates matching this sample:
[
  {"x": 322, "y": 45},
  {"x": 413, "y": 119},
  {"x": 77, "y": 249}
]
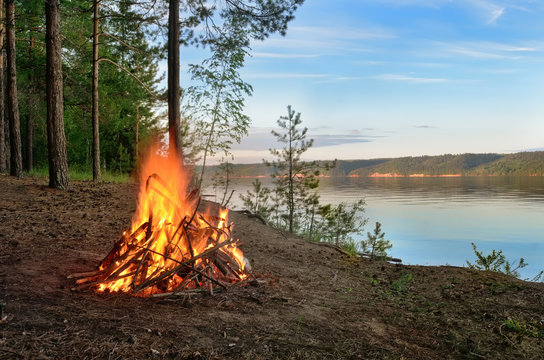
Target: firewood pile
[{"x": 165, "y": 258}]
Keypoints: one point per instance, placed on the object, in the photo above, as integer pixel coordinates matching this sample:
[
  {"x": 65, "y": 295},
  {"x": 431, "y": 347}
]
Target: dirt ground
[{"x": 315, "y": 304}]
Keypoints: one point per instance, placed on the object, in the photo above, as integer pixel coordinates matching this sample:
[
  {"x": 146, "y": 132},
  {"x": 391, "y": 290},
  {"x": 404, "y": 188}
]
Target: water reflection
[{"x": 433, "y": 220}]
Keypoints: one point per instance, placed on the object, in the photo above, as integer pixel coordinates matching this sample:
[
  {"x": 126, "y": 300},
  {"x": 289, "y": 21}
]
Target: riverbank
[{"x": 314, "y": 302}]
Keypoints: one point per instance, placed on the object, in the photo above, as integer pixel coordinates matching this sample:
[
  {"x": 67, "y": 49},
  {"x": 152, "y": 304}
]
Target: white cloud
[
  {"x": 338, "y": 79},
  {"x": 282, "y": 56},
  {"x": 490, "y": 11},
  {"x": 412, "y": 79},
  {"x": 260, "y": 138},
  {"x": 367, "y": 62},
  {"x": 424, "y": 127},
  {"x": 325, "y": 39},
  {"x": 484, "y": 50},
  {"x": 495, "y": 15},
  {"x": 341, "y": 33},
  {"x": 272, "y": 75}
]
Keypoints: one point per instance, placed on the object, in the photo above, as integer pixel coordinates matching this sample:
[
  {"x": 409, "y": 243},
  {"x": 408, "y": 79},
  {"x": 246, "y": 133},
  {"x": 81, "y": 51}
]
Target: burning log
[{"x": 171, "y": 248}]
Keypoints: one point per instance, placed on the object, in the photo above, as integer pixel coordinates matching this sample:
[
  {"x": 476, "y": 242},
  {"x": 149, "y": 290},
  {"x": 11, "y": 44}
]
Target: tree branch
[
  {"x": 121, "y": 41},
  {"x": 149, "y": 91}
]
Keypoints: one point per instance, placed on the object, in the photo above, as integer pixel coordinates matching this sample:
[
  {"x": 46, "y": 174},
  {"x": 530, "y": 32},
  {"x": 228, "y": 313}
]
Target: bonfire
[{"x": 171, "y": 247}]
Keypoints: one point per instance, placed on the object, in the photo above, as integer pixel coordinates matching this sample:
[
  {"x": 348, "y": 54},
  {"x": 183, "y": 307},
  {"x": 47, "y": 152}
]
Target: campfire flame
[{"x": 171, "y": 247}]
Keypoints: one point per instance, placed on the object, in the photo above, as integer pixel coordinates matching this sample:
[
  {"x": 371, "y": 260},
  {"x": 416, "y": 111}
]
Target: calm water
[{"x": 432, "y": 221}]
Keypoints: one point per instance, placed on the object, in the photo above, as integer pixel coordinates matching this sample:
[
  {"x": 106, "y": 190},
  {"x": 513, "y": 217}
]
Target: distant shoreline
[
  {"x": 517, "y": 164},
  {"x": 392, "y": 175}
]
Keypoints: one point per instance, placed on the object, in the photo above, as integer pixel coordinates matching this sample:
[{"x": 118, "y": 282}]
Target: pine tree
[
  {"x": 58, "y": 166},
  {"x": 294, "y": 179},
  {"x": 217, "y": 103},
  {"x": 3, "y": 127},
  {"x": 376, "y": 245},
  {"x": 226, "y": 27},
  {"x": 339, "y": 222},
  {"x": 256, "y": 200},
  {"x": 128, "y": 59},
  {"x": 16, "y": 161}
]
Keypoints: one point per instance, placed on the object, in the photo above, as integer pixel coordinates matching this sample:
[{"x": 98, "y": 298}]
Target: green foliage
[
  {"x": 257, "y": 200},
  {"x": 338, "y": 223},
  {"x": 221, "y": 181},
  {"x": 496, "y": 261},
  {"x": 376, "y": 245},
  {"x": 216, "y": 104},
  {"x": 520, "y": 164},
  {"x": 294, "y": 179},
  {"x": 492, "y": 262},
  {"x": 351, "y": 247},
  {"x": 523, "y": 163},
  {"x": 294, "y": 200},
  {"x": 300, "y": 322},
  {"x": 401, "y": 285},
  {"x": 526, "y": 163},
  {"x": 125, "y": 105},
  {"x": 131, "y": 41},
  {"x": 82, "y": 174},
  {"x": 523, "y": 329}
]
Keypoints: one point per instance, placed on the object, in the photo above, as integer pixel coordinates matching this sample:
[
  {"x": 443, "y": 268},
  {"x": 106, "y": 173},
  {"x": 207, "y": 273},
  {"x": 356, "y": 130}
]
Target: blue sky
[{"x": 384, "y": 78}]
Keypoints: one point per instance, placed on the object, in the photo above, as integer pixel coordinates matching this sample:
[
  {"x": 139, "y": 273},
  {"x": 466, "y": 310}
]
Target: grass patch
[
  {"x": 78, "y": 174},
  {"x": 523, "y": 329},
  {"x": 401, "y": 285}
]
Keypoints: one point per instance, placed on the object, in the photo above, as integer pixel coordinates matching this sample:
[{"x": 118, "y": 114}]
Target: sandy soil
[{"x": 316, "y": 303}]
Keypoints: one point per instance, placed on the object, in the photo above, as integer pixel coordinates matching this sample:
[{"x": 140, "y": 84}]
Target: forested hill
[{"x": 520, "y": 164}]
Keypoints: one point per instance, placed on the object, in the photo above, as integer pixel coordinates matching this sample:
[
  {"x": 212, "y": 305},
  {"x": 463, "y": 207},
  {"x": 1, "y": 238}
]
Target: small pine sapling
[
  {"x": 256, "y": 201},
  {"x": 376, "y": 245},
  {"x": 493, "y": 261},
  {"x": 496, "y": 261}
]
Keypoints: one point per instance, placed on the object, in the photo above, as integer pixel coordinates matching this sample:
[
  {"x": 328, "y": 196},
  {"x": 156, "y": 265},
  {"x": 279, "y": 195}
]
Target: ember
[{"x": 171, "y": 248}]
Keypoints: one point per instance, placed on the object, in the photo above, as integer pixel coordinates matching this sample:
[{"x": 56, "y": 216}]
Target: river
[{"x": 433, "y": 221}]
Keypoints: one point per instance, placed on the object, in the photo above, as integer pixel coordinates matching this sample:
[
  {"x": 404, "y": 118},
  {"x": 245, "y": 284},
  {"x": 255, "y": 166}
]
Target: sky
[{"x": 391, "y": 78}]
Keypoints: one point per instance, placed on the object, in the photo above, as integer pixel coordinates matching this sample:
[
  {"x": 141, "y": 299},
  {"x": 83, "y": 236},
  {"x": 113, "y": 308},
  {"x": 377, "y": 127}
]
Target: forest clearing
[
  {"x": 314, "y": 302},
  {"x": 89, "y": 86}
]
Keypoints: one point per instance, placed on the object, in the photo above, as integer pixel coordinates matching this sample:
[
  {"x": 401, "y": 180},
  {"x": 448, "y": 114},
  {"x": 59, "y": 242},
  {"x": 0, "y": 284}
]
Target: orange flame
[{"x": 168, "y": 232}]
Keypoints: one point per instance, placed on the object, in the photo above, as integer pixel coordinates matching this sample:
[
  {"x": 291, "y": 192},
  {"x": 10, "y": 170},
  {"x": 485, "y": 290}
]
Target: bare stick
[
  {"x": 185, "y": 264},
  {"x": 148, "y": 236},
  {"x": 83, "y": 274},
  {"x": 87, "y": 285}
]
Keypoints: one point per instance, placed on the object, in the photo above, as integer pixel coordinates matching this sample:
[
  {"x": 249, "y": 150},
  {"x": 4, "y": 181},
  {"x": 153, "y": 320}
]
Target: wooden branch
[
  {"x": 83, "y": 274},
  {"x": 121, "y": 41},
  {"x": 228, "y": 200},
  {"x": 155, "y": 96},
  {"x": 332, "y": 246},
  {"x": 148, "y": 236},
  {"x": 87, "y": 285},
  {"x": 184, "y": 264}
]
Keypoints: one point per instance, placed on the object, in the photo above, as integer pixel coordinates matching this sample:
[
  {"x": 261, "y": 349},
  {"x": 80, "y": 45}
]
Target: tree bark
[
  {"x": 3, "y": 158},
  {"x": 174, "y": 114},
  {"x": 30, "y": 110},
  {"x": 137, "y": 146},
  {"x": 16, "y": 158},
  {"x": 56, "y": 141},
  {"x": 97, "y": 176},
  {"x": 291, "y": 180}
]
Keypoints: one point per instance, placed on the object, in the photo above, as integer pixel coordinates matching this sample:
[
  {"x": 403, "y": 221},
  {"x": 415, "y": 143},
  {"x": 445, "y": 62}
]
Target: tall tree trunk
[
  {"x": 215, "y": 120},
  {"x": 174, "y": 114},
  {"x": 30, "y": 109},
  {"x": 16, "y": 161},
  {"x": 56, "y": 141},
  {"x": 3, "y": 158},
  {"x": 97, "y": 176},
  {"x": 137, "y": 147},
  {"x": 291, "y": 180}
]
